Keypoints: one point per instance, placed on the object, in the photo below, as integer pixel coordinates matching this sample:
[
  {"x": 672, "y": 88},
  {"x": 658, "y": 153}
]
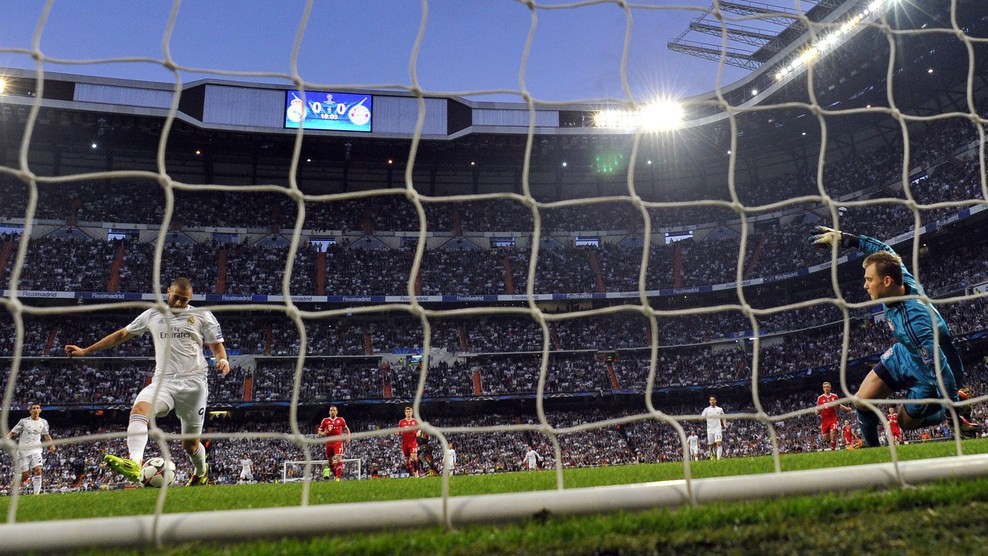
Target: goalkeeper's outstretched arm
[{"x": 826, "y": 237}]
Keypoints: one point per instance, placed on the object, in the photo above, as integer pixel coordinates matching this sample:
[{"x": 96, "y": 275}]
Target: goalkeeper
[{"x": 908, "y": 364}]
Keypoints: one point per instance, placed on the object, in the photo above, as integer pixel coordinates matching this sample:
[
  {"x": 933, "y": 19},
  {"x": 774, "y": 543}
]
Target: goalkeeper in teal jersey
[{"x": 909, "y": 364}]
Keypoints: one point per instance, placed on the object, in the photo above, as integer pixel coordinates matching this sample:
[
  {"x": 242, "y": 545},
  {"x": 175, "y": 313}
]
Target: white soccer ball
[{"x": 157, "y": 472}]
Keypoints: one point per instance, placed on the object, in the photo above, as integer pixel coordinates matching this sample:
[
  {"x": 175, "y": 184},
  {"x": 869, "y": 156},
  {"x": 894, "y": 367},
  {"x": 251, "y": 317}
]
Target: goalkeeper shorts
[{"x": 900, "y": 371}]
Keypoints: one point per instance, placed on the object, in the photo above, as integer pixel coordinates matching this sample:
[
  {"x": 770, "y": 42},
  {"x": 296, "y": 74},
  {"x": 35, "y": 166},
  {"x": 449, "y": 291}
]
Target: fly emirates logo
[{"x": 176, "y": 333}]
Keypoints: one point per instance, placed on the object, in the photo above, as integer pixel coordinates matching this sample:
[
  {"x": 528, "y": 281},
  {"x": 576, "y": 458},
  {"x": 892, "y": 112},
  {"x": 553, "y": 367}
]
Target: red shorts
[
  {"x": 334, "y": 449},
  {"x": 828, "y": 425},
  {"x": 410, "y": 450}
]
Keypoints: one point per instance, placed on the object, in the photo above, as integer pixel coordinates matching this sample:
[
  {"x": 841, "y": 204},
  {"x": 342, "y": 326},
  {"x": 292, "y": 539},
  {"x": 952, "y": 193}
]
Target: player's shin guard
[
  {"x": 869, "y": 427},
  {"x": 338, "y": 469},
  {"x": 137, "y": 437}
]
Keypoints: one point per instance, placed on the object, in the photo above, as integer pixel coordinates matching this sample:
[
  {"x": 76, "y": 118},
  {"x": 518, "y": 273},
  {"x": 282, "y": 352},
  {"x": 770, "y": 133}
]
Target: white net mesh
[{"x": 784, "y": 164}]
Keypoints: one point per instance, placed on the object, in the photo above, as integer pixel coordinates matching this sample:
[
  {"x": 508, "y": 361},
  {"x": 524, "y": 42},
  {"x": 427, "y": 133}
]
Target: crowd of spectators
[
  {"x": 509, "y": 365},
  {"x": 932, "y": 145},
  {"x": 89, "y": 265},
  {"x": 883, "y": 209}
]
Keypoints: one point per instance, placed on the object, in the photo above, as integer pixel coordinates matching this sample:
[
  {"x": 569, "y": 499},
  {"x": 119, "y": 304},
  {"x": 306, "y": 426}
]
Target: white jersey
[
  {"x": 713, "y": 415},
  {"x": 246, "y": 471},
  {"x": 694, "y": 442},
  {"x": 450, "y": 461},
  {"x": 531, "y": 459},
  {"x": 187, "y": 331},
  {"x": 31, "y": 432}
]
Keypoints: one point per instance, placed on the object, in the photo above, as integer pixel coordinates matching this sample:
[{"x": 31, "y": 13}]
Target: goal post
[
  {"x": 239, "y": 525},
  {"x": 293, "y": 471}
]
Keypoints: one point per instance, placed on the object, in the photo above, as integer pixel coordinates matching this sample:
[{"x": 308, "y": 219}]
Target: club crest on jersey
[{"x": 191, "y": 319}]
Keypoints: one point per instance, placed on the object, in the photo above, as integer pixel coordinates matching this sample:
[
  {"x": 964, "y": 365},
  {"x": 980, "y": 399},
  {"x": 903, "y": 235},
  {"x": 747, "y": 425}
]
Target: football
[{"x": 157, "y": 472}]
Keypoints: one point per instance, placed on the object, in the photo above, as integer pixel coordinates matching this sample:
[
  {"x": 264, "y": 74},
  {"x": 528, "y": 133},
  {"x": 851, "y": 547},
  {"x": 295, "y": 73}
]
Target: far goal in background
[{"x": 300, "y": 470}]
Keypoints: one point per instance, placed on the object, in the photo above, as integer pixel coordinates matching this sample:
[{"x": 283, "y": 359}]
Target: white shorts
[
  {"x": 246, "y": 476},
  {"x": 694, "y": 450},
  {"x": 27, "y": 461},
  {"x": 186, "y": 395},
  {"x": 714, "y": 437}
]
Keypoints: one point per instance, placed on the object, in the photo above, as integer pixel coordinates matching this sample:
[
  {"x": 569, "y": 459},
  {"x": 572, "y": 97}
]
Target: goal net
[
  {"x": 583, "y": 272},
  {"x": 319, "y": 470}
]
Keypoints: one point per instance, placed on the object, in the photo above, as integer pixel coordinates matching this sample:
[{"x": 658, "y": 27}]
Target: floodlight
[{"x": 661, "y": 116}]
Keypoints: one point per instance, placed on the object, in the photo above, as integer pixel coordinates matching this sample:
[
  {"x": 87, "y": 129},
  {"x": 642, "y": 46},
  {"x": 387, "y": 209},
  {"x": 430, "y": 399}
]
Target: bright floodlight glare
[
  {"x": 3, "y": 85},
  {"x": 661, "y": 116},
  {"x": 658, "y": 116},
  {"x": 614, "y": 119}
]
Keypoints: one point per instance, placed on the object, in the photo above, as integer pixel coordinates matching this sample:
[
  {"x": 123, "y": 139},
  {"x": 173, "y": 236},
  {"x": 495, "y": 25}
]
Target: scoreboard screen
[{"x": 328, "y": 111}]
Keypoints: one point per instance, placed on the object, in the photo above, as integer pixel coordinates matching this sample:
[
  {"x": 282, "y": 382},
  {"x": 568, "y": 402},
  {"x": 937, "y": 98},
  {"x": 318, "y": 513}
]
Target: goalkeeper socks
[
  {"x": 36, "y": 483},
  {"x": 137, "y": 437},
  {"x": 869, "y": 427},
  {"x": 199, "y": 460}
]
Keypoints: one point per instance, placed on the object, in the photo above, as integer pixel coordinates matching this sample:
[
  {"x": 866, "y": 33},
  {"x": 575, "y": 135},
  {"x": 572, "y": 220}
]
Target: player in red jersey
[
  {"x": 851, "y": 439},
  {"x": 409, "y": 442},
  {"x": 894, "y": 425},
  {"x": 335, "y": 426},
  {"x": 828, "y": 415}
]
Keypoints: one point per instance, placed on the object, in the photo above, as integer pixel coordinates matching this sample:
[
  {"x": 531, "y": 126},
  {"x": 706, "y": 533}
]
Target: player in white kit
[
  {"x": 30, "y": 431},
  {"x": 694, "y": 443},
  {"x": 246, "y": 469},
  {"x": 531, "y": 459},
  {"x": 449, "y": 460},
  {"x": 715, "y": 427},
  {"x": 179, "y": 381}
]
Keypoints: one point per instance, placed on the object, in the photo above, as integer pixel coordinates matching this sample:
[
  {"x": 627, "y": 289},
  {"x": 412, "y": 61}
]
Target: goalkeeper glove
[{"x": 825, "y": 237}]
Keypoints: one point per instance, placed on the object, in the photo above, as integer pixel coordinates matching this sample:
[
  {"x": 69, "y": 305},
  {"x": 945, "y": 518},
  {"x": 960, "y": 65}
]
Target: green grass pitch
[{"x": 923, "y": 520}]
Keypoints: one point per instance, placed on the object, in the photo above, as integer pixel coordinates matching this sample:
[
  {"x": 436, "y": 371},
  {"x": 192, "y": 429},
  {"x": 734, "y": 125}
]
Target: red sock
[{"x": 338, "y": 470}]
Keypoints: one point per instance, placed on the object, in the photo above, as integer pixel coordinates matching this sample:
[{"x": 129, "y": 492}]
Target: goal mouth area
[
  {"x": 312, "y": 470},
  {"x": 238, "y": 525}
]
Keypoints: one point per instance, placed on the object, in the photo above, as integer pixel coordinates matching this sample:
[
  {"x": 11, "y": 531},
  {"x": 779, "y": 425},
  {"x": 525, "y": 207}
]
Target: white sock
[
  {"x": 720, "y": 451},
  {"x": 137, "y": 437},
  {"x": 36, "y": 483},
  {"x": 199, "y": 459}
]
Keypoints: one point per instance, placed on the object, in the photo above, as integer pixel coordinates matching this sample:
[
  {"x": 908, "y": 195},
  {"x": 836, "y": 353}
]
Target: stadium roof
[
  {"x": 750, "y": 46},
  {"x": 236, "y": 128}
]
